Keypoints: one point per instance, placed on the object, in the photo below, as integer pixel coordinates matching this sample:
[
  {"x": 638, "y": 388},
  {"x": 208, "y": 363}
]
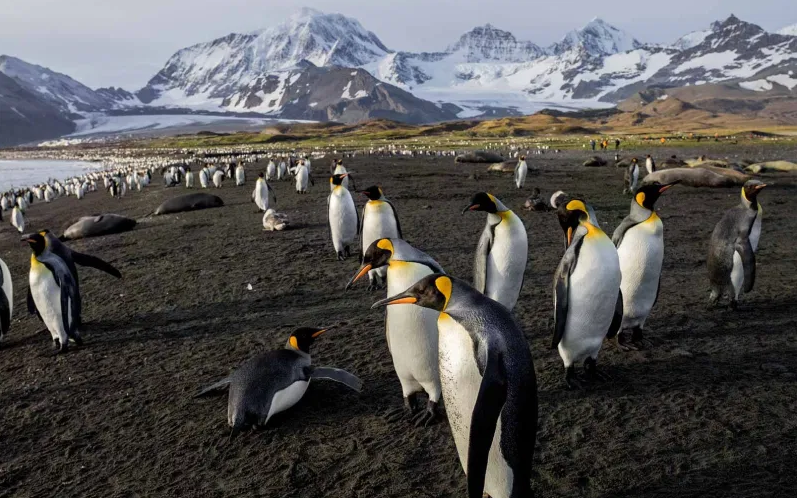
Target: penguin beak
[
  {"x": 668, "y": 186},
  {"x": 344, "y": 175},
  {"x": 317, "y": 334},
  {"x": 759, "y": 187},
  {"x": 569, "y": 236},
  {"x": 403, "y": 298},
  {"x": 365, "y": 269},
  {"x": 472, "y": 207}
]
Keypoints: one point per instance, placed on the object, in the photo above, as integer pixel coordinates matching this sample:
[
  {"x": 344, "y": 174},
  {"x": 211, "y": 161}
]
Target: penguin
[
  {"x": 520, "y": 172},
  {"x": 631, "y": 177},
  {"x": 640, "y": 246},
  {"x": 340, "y": 170},
  {"x": 343, "y": 217},
  {"x": 260, "y": 194},
  {"x": 203, "y": 177},
  {"x": 218, "y": 178},
  {"x": 273, "y": 382},
  {"x": 379, "y": 220},
  {"x": 488, "y": 383},
  {"x": 240, "y": 175},
  {"x": 282, "y": 170},
  {"x": 17, "y": 220},
  {"x": 6, "y": 299},
  {"x": 274, "y": 221},
  {"x": 411, "y": 331},
  {"x": 734, "y": 241},
  {"x": 303, "y": 178},
  {"x": 189, "y": 178},
  {"x": 650, "y": 165},
  {"x": 271, "y": 170},
  {"x": 536, "y": 201},
  {"x": 22, "y": 203},
  {"x": 560, "y": 198},
  {"x": 54, "y": 293},
  {"x": 588, "y": 304},
  {"x": 501, "y": 255}
]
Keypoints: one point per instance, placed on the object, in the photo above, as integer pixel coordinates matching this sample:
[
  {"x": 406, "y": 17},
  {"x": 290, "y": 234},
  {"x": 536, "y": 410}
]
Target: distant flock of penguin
[{"x": 449, "y": 339}]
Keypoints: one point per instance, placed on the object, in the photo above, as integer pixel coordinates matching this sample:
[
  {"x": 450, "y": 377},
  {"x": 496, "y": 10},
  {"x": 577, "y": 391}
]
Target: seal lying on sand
[
  {"x": 94, "y": 226},
  {"x": 784, "y": 166},
  {"x": 189, "y": 202},
  {"x": 479, "y": 156},
  {"x": 595, "y": 161},
  {"x": 698, "y": 177}
]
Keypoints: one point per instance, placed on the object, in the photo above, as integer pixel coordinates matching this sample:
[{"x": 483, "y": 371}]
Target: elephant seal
[
  {"x": 595, "y": 161},
  {"x": 95, "y": 226},
  {"x": 697, "y": 177},
  {"x": 783, "y": 166},
  {"x": 189, "y": 202},
  {"x": 479, "y": 156}
]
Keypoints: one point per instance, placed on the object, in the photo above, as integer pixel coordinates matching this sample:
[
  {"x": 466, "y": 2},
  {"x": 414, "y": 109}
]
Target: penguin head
[
  {"x": 37, "y": 242},
  {"x": 522, "y": 158},
  {"x": 433, "y": 292},
  {"x": 373, "y": 192},
  {"x": 339, "y": 162},
  {"x": 302, "y": 338},
  {"x": 482, "y": 201},
  {"x": 338, "y": 179},
  {"x": 377, "y": 255},
  {"x": 647, "y": 195},
  {"x": 571, "y": 214},
  {"x": 750, "y": 192},
  {"x": 260, "y": 175}
]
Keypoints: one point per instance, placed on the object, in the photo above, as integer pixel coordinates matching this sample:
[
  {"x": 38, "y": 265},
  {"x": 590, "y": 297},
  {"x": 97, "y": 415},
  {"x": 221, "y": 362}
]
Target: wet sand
[{"x": 708, "y": 411}]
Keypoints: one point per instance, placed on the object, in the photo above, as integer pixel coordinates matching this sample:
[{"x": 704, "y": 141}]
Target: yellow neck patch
[
  {"x": 443, "y": 284},
  {"x": 293, "y": 342},
  {"x": 640, "y": 198},
  {"x": 592, "y": 230}
]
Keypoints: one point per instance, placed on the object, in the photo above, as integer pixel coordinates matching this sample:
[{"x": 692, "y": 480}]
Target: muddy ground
[{"x": 711, "y": 410}]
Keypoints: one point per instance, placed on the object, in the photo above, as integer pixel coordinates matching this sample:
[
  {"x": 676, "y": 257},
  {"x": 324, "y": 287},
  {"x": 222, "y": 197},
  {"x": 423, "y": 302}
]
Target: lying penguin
[{"x": 273, "y": 382}]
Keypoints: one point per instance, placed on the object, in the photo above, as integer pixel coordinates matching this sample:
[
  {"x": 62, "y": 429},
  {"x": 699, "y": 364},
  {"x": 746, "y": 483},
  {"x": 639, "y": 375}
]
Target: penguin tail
[{"x": 213, "y": 389}]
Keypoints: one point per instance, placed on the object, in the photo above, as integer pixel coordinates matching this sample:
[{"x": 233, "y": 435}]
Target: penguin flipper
[
  {"x": 480, "y": 261},
  {"x": 361, "y": 221},
  {"x": 338, "y": 375},
  {"x": 489, "y": 403},
  {"x": 561, "y": 287},
  {"x": 619, "y": 232},
  {"x": 216, "y": 388},
  {"x": 32, "y": 309},
  {"x": 5, "y": 313},
  {"x": 395, "y": 215},
  {"x": 617, "y": 319},
  {"x": 745, "y": 250},
  {"x": 95, "y": 262}
]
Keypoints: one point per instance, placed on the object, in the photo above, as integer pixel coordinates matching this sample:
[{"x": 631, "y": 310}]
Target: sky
[{"x": 125, "y": 43}]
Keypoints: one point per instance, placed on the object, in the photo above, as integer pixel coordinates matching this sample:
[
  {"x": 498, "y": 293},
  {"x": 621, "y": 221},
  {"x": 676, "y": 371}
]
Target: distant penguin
[
  {"x": 22, "y": 203},
  {"x": 411, "y": 330},
  {"x": 54, "y": 293},
  {"x": 640, "y": 247},
  {"x": 260, "y": 194},
  {"x": 500, "y": 262},
  {"x": 218, "y": 178},
  {"x": 17, "y": 219},
  {"x": 303, "y": 178},
  {"x": 6, "y": 299},
  {"x": 49, "y": 194},
  {"x": 631, "y": 177},
  {"x": 5, "y": 203},
  {"x": 282, "y": 170},
  {"x": 488, "y": 384},
  {"x": 343, "y": 218},
  {"x": 588, "y": 304},
  {"x": 203, "y": 177},
  {"x": 273, "y": 382},
  {"x": 378, "y": 221},
  {"x": 734, "y": 241},
  {"x": 189, "y": 178},
  {"x": 650, "y": 165},
  {"x": 536, "y": 201},
  {"x": 240, "y": 175},
  {"x": 271, "y": 170},
  {"x": 520, "y": 172},
  {"x": 340, "y": 170}
]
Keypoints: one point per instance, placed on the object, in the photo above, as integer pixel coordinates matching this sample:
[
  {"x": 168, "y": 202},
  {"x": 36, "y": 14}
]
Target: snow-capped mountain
[
  {"x": 789, "y": 30},
  {"x": 488, "y": 43},
  {"x": 597, "y": 38},
  {"x": 26, "y": 116}
]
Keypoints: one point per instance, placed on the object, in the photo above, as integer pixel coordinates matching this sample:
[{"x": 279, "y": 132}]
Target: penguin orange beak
[
  {"x": 472, "y": 207},
  {"x": 365, "y": 269},
  {"x": 569, "y": 236},
  {"x": 402, "y": 298},
  {"x": 317, "y": 334},
  {"x": 668, "y": 186},
  {"x": 759, "y": 187}
]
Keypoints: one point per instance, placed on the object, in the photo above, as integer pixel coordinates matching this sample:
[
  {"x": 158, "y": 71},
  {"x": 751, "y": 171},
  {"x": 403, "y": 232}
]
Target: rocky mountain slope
[{"x": 27, "y": 117}]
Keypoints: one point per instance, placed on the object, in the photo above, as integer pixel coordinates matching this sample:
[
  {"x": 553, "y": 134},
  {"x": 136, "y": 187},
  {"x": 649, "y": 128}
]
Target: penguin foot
[
  {"x": 341, "y": 257},
  {"x": 622, "y": 345},
  {"x": 427, "y": 417},
  {"x": 572, "y": 381},
  {"x": 639, "y": 341},
  {"x": 409, "y": 408},
  {"x": 593, "y": 374}
]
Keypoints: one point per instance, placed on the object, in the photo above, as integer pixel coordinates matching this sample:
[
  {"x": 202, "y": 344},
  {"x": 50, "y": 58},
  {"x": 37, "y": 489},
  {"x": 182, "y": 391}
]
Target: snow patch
[{"x": 757, "y": 85}]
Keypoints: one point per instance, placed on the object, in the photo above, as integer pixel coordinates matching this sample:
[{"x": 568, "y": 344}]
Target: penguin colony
[{"x": 454, "y": 342}]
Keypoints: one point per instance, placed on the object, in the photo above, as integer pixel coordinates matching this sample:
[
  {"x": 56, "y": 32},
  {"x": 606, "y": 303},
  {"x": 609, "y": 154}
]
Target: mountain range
[{"x": 328, "y": 67}]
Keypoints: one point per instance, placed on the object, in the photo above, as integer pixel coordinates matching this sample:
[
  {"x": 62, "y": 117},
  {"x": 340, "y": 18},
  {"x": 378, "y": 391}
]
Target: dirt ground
[{"x": 711, "y": 410}]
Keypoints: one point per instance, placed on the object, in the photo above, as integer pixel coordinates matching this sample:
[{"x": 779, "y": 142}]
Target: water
[{"x": 24, "y": 173}]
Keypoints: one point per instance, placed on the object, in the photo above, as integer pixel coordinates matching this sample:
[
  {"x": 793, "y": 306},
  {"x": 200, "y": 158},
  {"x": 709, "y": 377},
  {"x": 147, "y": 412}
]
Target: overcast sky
[{"x": 124, "y": 43}]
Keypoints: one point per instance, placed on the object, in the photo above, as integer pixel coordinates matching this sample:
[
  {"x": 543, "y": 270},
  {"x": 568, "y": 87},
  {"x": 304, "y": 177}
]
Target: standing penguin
[
  {"x": 271, "y": 170},
  {"x": 240, "y": 175},
  {"x": 650, "y": 165},
  {"x": 260, "y": 194},
  {"x": 631, "y": 177},
  {"x": 218, "y": 178},
  {"x": 17, "y": 219},
  {"x": 734, "y": 241},
  {"x": 203, "y": 177},
  {"x": 500, "y": 261},
  {"x": 273, "y": 382},
  {"x": 303, "y": 178},
  {"x": 343, "y": 218},
  {"x": 411, "y": 331},
  {"x": 6, "y": 299},
  {"x": 189, "y": 178},
  {"x": 520, "y": 172},
  {"x": 54, "y": 293},
  {"x": 640, "y": 246},
  {"x": 587, "y": 300},
  {"x": 282, "y": 170},
  {"x": 488, "y": 383},
  {"x": 378, "y": 221},
  {"x": 340, "y": 170}
]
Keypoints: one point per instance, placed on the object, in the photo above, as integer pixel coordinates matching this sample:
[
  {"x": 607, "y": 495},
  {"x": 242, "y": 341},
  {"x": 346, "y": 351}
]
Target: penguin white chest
[
  {"x": 342, "y": 218},
  {"x": 379, "y": 223},
  {"x": 506, "y": 262},
  {"x": 286, "y": 398},
  {"x": 641, "y": 256},
  {"x": 592, "y": 298},
  {"x": 302, "y": 179},
  {"x": 8, "y": 290},
  {"x": 461, "y": 381},
  {"x": 47, "y": 297}
]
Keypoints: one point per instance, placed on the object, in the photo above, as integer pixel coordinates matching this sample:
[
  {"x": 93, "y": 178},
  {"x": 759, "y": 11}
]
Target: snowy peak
[
  {"x": 788, "y": 30},
  {"x": 488, "y": 43},
  {"x": 597, "y": 38}
]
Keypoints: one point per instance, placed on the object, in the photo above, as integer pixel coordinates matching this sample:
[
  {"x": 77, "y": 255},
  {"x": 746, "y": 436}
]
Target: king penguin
[
  {"x": 411, "y": 330},
  {"x": 6, "y": 299},
  {"x": 734, "y": 241},
  {"x": 54, "y": 293},
  {"x": 631, "y": 177},
  {"x": 588, "y": 304},
  {"x": 203, "y": 177},
  {"x": 501, "y": 255},
  {"x": 378, "y": 221},
  {"x": 520, "y": 172},
  {"x": 271, "y": 170},
  {"x": 240, "y": 175},
  {"x": 343, "y": 217},
  {"x": 640, "y": 246},
  {"x": 488, "y": 383},
  {"x": 275, "y": 381},
  {"x": 189, "y": 178},
  {"x": 341, "y": 170},
  {"x": 303, "y": 178},
  {"x": 17, "y": 220},
  {"x": 260, "y": 194}
]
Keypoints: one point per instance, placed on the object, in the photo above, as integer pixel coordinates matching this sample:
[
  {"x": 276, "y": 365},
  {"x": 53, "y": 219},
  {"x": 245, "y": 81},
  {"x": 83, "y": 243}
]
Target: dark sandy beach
[{"x": 710, "y": 410}]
